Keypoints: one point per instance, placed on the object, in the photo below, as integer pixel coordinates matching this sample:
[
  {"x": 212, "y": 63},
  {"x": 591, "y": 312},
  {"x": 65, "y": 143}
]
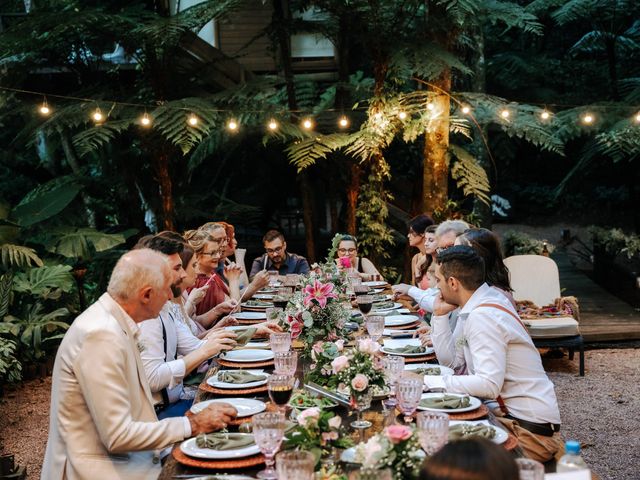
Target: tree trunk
[
  {"x": 435, "y": 174},
  {"x": 353, "y": 189},
  {"x": 73, "y": 161},
  {"x": 165, "y": 184}
]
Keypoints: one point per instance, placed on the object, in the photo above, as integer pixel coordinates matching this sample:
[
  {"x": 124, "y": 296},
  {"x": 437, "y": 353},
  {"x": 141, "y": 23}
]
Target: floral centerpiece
[
  {"x": 397, "y": 448},
  {"x": 319, "y": 432}
]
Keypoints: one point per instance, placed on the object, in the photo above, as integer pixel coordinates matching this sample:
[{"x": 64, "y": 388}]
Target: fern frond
[
  {"x": 511, "y": 15},
  {"x": 305, "y": 153},
  {"x": 6, "y": 281},
  {"x": 18, "y": 256},
  {"x": 93, "y": 139},
  {"x": 469, "y": 174}
]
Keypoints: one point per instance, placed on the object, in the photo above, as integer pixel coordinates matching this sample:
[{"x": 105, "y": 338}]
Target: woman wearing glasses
[{"x": 348, "y": 249}]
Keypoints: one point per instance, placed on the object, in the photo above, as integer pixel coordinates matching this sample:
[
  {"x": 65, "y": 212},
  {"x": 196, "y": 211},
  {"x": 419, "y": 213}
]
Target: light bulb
[
  {"x": 273, "y": 125},
  {"x": 44, "y": 109},
  {"x": 638, "y": 117},
  {"x": 307, "y": 124},
  {"x": 588, "y": 119},
  {"x": 193, "y": 120},
  {"x": 145, "y": 120},
  {"x": 545, "y": 115},
  {"x": 465, "y": 110},
  {"x": 343, "y": 122},
  {"x": 402, "y": 115},
  {"x": 97, "y": 115},
  {"x": 504, "y": 113},
  {"x": 232, "y": 125},
  {"x": 430, "y": 106}
]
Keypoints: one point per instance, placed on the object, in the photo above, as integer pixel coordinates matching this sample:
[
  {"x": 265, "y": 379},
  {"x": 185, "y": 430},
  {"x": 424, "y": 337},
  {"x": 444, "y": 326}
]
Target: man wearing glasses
[{"x": 276, "y": 257}]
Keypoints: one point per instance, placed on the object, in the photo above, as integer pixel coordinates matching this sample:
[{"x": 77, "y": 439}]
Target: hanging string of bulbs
[{"x": 587, "y": 118}]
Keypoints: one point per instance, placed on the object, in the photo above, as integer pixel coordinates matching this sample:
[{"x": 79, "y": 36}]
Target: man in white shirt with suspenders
[{"x": 502, "y": 364}]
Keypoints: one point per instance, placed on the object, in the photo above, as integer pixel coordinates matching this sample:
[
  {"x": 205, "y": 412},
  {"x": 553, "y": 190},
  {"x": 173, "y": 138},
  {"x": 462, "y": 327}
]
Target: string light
[
  {"x": 587, "y": 119},
  {"x": 273, "y": 125},
  {"x": 343, "y": 122},
  {"x": 402, "y": 115},
  {"x": 505, "y": 113},
  {"x": 307, "y": 124},
  {"x": 44, "y": 108},
  {"x": 97, "y": 115},
  {"x": 466, "y": 109},
  {"x": 430, "y": 106},
  {"x": 232, "y": 125},
  {"x": 193, "y": 120},
  {"x": 638, "y": 117},
  {"x": 545, "y": 115},
  {"x": 145, "y": 121}
]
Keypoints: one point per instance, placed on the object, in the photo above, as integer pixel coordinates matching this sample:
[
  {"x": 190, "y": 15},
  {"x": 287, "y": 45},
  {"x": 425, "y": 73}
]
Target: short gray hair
[
  {"x": 456, "y": 226},
  {"x": 138, "y": 269}
]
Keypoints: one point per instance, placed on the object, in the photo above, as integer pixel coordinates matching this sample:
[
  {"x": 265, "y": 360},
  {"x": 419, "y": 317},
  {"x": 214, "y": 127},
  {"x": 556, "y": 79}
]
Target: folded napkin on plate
[
  {"x": 238, "y": 376},
  {"x": 224, "y": 441},
  {"x": 446, "y": 401},
  {"x": 244, "y": 336},
  {"x": 407, "y": 349},
  {"x": 464, "y": 430},
  {"x": 428, "y": 371}
]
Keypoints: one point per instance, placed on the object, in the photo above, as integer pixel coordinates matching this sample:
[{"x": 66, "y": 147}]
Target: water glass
[
  {"x": 433, "y": 431},
  {"x": 273, "y": 278},
  {"x": 361, "y": 401},
  {"x": 530, "y": 469},
  {"x": 280, "y": 342},
  {"x": 375, "y": 326},
  {"x": 286, "y": 363},
  {"x": 393, "y": 369},
  {"x": 268, "y": 431},
  {"x": 295, "y": 465},
  {"x": 273, "y": 314},
  {"x": 360, "y": 290},
  {"x": 291, "y": 280},
  {"x": 409, "y": 393}
]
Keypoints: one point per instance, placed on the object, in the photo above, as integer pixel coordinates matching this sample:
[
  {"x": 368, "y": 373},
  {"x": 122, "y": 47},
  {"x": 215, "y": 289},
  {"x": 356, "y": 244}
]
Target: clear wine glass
[
  {"x": 280, "y": 342},
  {"x": 375, "y": 326},
  {"x": 286, "y": 363},
  {"x": 365, "y": 302},
  {"x": 433, "y": 431},
  {"x": 268, "y": 431},
  {"x": 361, "y": 401},
  {"x": 393, "y": 369},
  {"x": 295, "y": 465},
  {"x": 409, "y": 392},
  {"x": 280, "y": 389}
]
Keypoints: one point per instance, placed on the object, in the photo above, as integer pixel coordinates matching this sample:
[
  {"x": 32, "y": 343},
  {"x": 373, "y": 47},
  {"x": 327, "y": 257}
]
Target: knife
[{"x": 315, "y": 388}]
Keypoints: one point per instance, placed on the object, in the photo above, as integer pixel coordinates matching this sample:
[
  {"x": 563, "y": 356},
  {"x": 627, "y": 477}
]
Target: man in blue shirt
[{"x": 277, "y": 257}]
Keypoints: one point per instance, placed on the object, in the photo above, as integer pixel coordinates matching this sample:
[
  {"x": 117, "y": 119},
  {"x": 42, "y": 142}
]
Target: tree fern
[
  {"x": 469, "y": 174},
  {"x": 92, "y": 139},
  {"x": 304, "y": 153}
]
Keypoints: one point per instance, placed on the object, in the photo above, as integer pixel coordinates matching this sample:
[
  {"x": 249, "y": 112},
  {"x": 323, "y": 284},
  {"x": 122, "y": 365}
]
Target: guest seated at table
[
  {"x": 348, "y": 249},
  {"x": 228, "y": 274},
  {"x": 277, "y": 258},
  {"x": 102, "y": 422},
  {"x": 473, "y": 459},
  {"x": 417, "y": 227},
  {"x": 501, "y": 361}
]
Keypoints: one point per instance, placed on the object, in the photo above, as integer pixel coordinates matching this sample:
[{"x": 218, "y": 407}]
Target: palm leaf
[
  {"x": 43, "y": 203},
  {"x": 76, "y": 242},
  {"x": 42, "y": 280},
  {"x": 6, "y": 281},
  {"x": 19, "y": 256}
]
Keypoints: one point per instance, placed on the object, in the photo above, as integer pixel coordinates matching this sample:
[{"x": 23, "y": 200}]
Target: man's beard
[{"x": 176, "y": 290}]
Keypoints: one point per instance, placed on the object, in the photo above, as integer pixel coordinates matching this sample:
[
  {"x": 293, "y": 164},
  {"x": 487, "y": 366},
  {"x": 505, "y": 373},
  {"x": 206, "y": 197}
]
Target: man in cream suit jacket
[{"x": 103, "y": 424}]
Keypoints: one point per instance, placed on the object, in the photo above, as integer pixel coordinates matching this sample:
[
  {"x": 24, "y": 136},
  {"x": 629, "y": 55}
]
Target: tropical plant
[
  {"x": 519, "y": 243},
  {"x": 10, "y": 367}
]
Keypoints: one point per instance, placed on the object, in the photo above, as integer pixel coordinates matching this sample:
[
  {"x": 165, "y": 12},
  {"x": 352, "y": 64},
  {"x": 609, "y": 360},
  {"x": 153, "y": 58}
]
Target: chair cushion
[{"x": 552, "y": 327}]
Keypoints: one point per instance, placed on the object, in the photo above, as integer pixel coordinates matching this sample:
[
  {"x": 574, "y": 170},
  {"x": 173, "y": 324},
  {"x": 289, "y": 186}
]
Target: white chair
[{"x": 536, "y": 278}]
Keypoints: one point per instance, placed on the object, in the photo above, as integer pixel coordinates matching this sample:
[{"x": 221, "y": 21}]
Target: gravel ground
[{"x": 601, "y": 410}]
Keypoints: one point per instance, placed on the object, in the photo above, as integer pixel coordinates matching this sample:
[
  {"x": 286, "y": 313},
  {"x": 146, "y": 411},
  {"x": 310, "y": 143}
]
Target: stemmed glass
[
  {"x": 268, "y": 431},
  {"x": 393, "y": 368},
  {"x": 375, "y": 326},
  {"x": 433, "y": 430},
  {"x": 295, "y": 465},
  {"x": 286, "y": 363},
  {"x": 280, "y": 342},
  {"x": 361, "y": 401},
  {"x": 409, "y": 392},
  {"x": 280, "y": 389},
  {"x": 365, "y": 302}
]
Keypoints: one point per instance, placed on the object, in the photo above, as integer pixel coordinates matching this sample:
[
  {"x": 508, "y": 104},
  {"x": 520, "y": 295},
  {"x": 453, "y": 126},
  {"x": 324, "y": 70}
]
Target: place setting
[
  {"x": 236, "y": 382},
  {"x": 457, "y": 406},
  {"x": 250, "y": 317},
  {"x": 409, "y": 348}
]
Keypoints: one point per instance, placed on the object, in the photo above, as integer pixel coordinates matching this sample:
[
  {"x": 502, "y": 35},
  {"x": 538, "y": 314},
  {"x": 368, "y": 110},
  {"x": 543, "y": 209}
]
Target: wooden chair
[{"x": 536, "y": 278}]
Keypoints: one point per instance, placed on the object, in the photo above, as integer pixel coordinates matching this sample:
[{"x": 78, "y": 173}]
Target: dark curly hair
[{"x": 464, "y": 264}]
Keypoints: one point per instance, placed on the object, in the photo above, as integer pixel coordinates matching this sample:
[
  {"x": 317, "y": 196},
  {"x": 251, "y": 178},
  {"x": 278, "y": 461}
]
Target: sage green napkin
[
  {"x": 445, "y": 401},
  {"x": 238, "y": 376},
  {"x": 224, "y": 441},
  {"x": 428, "y": 371},
  {"x": 462, "y": 430},
  {"x": 244, "y": 336},
  {"x": 407, "y": 349}
]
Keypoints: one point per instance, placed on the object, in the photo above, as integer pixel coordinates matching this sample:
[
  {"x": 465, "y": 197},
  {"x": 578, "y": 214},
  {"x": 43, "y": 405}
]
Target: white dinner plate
[
  {"x": 396, "y": 306},
  {"x": 214, "y": 382},
  {"x": 248, "y": 355},
  {"x": 250, "y": 316},
  {"x": 474, "y": 403},
  {"x": 403, "y": 342},
  {"x": 501, "y": 435},
  {"x": 375, "y": 284},
  {"x": 377, "y": 290},
  {"x": 245, "y": 406},
  {"x": 264, "y": 296},
  {"x": 399, "y": 320},
  {"x": 190, "y": 448},
  {"x": 443, "y": 370}
]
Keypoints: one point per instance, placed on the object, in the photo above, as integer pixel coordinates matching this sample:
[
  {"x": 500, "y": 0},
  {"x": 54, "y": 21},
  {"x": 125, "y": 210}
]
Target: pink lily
[{"x": 320, "y": 292}]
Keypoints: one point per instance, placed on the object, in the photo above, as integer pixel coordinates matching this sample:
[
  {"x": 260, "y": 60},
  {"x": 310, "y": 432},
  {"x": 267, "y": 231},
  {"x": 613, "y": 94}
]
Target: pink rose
[
  {"x": 398, "y": 433},
  {"x": 360, "y": 383},
  {"x": 340, "y": 363},
  {"x": 368, "y": 346},
  {"x": 335, "y": 422},
  {"x": 295, "y": 327},
  {"x": 340, "y": 344},
  {"x": 309, "y": 415}
]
